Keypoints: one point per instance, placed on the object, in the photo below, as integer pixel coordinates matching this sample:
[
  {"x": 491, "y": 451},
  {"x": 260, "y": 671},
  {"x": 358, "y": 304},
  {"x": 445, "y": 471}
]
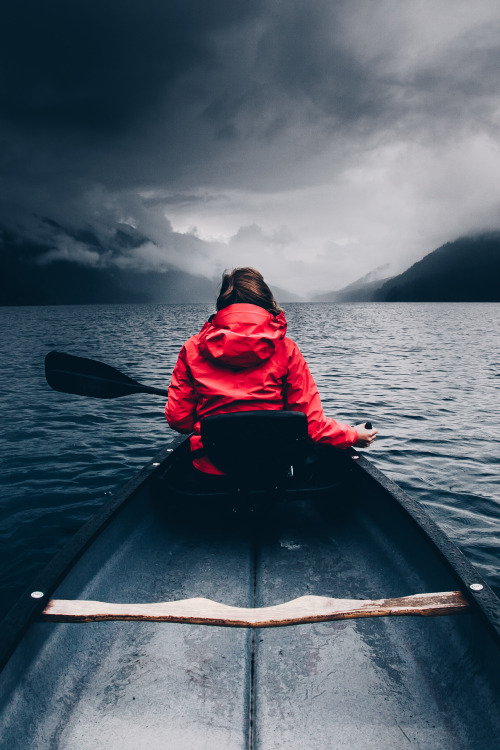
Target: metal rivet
[
  {"x": 37, "y": 594},
  {"x": 156, "y": 464},
  {"x": 355, "y": 458},
  {"x": 476, "y": 587},
  {"x": 170, "y": 450}
]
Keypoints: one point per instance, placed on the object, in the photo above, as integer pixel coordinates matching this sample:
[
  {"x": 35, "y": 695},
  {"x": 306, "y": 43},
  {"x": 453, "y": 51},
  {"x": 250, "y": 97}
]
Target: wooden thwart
[{"x": 302, "y": 610}]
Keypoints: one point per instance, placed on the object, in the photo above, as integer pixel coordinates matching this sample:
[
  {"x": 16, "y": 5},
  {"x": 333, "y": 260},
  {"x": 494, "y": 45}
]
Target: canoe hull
[{"x": 378, "y": 683}]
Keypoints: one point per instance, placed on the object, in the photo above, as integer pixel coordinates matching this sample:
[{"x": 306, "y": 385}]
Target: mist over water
[{"x": 427, "y": 375}]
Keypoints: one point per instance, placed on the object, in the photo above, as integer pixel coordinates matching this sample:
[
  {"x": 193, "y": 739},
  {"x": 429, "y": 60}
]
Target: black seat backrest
[{"x": 255, "y": 444}]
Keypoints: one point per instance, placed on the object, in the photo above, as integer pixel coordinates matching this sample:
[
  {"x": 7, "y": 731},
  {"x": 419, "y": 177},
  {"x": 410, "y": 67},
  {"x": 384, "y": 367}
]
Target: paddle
[{"x": 87, "y": 377}]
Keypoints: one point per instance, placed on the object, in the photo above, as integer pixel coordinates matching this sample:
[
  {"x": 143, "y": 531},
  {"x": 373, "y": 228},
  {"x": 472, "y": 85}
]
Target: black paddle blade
[{"x": 87, "y": 377}]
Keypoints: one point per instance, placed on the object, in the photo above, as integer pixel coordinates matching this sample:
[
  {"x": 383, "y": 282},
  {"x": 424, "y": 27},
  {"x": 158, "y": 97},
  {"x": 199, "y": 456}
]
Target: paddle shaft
[{"x": 132, "y": 387}]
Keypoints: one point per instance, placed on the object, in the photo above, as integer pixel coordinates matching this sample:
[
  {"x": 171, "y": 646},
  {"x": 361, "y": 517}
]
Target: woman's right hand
[{"x": 365, "y": 436}]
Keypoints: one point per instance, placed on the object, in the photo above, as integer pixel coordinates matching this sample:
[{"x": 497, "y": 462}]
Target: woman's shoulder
[
  {"x": 192, "y": 343},
  {"x": 194, "y": 340},
  {"x": 291, "y": 350},
  {"x": 290, "y": 344}
]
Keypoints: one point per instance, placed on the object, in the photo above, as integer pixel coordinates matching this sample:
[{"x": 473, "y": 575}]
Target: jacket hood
[{"x": 242, "y": 335}]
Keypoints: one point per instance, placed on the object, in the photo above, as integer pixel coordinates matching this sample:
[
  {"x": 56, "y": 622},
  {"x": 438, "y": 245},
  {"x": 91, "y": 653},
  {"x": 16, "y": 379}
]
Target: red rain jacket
[{"x": 242, "y": 361}]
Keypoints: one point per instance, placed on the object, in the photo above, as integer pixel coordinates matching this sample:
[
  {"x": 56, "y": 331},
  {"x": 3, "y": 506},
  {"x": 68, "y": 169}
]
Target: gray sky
[{"x": 315, "y": 140}]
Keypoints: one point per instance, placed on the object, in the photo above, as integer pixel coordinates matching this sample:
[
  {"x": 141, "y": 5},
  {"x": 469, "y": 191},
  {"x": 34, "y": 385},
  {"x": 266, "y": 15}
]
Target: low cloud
[{"x": 73, "y": 252}]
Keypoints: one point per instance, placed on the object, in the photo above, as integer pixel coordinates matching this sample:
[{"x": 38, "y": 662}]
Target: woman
[{"x": 241, "y": 360}]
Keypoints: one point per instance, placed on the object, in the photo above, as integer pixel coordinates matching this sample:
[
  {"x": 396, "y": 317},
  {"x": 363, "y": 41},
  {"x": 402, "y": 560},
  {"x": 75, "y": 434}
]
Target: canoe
[{"x": 263, "y": 618}]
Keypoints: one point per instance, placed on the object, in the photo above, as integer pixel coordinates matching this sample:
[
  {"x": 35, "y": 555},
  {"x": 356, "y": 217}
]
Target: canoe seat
[
  {"x": 256, "y": 445},
  {"x": 263, "y": 454}
]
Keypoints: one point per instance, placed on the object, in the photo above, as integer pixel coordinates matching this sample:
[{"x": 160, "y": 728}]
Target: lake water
[{"x": 427, "y": 375}]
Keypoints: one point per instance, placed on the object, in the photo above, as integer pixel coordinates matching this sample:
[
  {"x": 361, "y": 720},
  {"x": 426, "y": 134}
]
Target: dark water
[{"x": 428, "y": 375}]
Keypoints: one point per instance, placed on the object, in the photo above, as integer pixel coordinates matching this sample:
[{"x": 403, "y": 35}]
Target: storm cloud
[{"x": 313, "y": 140}]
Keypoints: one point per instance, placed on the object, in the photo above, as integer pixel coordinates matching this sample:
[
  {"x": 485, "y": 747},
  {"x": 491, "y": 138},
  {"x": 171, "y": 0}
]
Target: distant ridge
[
  {"x": 466, "y": 270},
  {"x": 80, "y": 269},
  {"x": 361, "y": 290},
  {"x": 67, "y": 266},
  {"x": 282, "y": 296},
  {"x": 26, "y": 278}
]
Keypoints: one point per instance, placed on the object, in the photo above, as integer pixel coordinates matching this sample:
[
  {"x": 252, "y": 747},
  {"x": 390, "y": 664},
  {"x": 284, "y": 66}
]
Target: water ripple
[{"x": 426, "y": 374}]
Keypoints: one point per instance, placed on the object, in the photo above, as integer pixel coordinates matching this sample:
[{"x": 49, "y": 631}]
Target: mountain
[
  {"x": 172, "y": 286},
  {"x": 65, "y": 266},
  {"x": 282, "y": 296},
  {"x": 361, "y": 290},
  {"x": 26, "y": 281},
  {"x": 466, "y": 270},
  {"x": 71, "y": 267}
]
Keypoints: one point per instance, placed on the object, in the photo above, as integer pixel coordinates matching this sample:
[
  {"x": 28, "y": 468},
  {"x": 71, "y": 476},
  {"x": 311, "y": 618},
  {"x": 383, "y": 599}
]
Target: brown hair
[{"x": 246, "y": 285}]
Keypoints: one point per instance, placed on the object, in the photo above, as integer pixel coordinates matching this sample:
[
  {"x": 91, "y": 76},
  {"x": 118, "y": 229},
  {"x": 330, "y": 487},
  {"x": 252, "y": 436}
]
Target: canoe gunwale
[
  {"x": 26, "y": 609},
  {"x": 484, "y": 601}
]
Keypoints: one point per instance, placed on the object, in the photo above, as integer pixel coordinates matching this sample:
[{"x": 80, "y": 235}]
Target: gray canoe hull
[{"x": 379, "y": 683}]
